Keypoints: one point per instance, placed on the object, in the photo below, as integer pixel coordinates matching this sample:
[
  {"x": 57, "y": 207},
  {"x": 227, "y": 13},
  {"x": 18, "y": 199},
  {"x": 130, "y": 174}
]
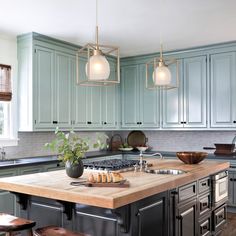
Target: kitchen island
[{"x": 150, "y": 206}]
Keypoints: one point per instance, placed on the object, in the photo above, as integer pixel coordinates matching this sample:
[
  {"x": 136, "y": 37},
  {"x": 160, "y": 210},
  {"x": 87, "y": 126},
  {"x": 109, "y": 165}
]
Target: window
[{"x": 6, "y": 121}]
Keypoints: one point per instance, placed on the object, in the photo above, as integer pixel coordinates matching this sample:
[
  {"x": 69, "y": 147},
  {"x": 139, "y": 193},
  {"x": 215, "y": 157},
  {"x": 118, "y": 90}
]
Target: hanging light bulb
[
  {"x": 161, "y": 75},
  {"x": 99, "y": 68}
]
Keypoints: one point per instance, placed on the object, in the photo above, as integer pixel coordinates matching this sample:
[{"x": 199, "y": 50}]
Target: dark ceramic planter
[{"x": 74, "y": 170}]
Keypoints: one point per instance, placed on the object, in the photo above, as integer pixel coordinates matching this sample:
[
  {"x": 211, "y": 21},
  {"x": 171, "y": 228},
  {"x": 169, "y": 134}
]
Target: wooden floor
[{"x": 230, "y": 227}]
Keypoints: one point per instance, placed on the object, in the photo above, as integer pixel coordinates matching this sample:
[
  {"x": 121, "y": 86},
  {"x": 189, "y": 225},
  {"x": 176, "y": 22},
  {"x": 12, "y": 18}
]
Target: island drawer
[
  {"x": 204, "y": 204},
  {"x": 204, "y": 185},
  {"x": 205, "y": 226},
  {"x": 219, "y": 217},
  {"x": 187, "y": 191}
]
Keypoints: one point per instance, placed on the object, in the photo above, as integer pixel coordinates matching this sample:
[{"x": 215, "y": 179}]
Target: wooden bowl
[{"x": 191, "y": 157}]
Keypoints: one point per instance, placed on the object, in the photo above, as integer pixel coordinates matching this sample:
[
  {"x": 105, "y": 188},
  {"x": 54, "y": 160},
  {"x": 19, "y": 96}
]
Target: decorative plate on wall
[{"x": 136, "y": 138}]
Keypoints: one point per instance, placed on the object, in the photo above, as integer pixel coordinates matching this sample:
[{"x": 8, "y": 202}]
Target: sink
[
  {"x": 166, "y": 172},
  {"x": 12, "y": 162},
  {"x": 27, "y": 160},
  {"x": 5, "y": 163}
]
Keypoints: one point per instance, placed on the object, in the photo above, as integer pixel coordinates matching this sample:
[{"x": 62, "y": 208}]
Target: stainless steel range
[{"x": 111, "y": 165}]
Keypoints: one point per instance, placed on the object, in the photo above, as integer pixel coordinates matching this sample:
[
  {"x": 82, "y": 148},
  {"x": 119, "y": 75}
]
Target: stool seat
[
  {"x": 9, "y": 223},
  {"x": 56, "y": 231}
]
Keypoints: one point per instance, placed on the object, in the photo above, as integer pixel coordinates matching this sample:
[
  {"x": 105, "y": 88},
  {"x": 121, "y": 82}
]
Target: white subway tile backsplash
[{"x": 32, "y": 143}]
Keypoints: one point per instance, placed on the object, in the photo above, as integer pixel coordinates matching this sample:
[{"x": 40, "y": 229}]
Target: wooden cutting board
[{"x": 122, "y": 184}]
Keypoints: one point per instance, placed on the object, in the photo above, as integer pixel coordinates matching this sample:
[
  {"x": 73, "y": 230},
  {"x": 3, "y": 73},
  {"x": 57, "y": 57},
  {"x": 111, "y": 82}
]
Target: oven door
[{"x": 220, "y": 189}]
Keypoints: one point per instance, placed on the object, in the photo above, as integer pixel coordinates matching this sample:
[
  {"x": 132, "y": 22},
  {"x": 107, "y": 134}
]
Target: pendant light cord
[
  {"x": 97, "y": 25},
  {"x": 161, "y": 40}
]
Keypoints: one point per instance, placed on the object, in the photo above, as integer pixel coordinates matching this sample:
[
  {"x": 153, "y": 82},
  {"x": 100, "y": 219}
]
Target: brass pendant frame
[
  {"x": 111, "y": 53},
  {"x": 151, "y": 65}
]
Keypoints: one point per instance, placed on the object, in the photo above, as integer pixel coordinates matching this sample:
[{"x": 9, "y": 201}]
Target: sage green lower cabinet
[
  {"x": 186, "y": 106},
  {"x": 232, "y": 189},
  {"x": 223, "y": 84},
  {"x": 8, "y": 200},
  {"x": 140, "y": 106}
]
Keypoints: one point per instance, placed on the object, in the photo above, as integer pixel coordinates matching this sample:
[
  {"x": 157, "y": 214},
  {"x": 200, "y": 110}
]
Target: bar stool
[
  {"x": 56, "y": 231},
  {"x": 10, "y": 224}
]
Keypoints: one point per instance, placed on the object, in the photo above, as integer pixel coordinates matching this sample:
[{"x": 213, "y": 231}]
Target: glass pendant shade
[
  {"x": 161, "y": 76},
  {"x": 99, "y": 68}
]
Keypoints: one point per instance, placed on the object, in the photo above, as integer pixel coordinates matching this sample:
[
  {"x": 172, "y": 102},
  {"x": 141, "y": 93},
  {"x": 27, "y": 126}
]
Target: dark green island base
[{"x": 185, "y": 211}]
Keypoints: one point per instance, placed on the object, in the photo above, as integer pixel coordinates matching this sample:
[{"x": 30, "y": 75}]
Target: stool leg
[
  {"x": 30, "y": 232},
  {"x": 8, "y": 234}
]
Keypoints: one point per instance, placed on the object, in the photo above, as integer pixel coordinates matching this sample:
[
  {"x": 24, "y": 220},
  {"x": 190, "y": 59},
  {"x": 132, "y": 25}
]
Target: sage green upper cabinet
[
  {"x": 45, "y": 75},
  {"x": 223, "y": 84},
  {"x": 140, "y": 106},
  {"x": 44, "y": 87},
  {"x": 195, "y": 92},
  {"x": 52, "y": 88},
  {"x": 64, "y": 78},
  {"x": 185, "y": 107},
  {"x": 172, "y": 100},
  {"x": 94, "y": 106}
]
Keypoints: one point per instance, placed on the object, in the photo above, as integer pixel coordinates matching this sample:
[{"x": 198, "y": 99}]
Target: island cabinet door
[
  {"x": 95, "y": 221},
  {"x": 151, "y": 217},
  {"x": 186, "y": 219},
  {"x": 44, "y": 212}
]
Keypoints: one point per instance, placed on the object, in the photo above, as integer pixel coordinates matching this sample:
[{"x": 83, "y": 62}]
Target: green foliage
[{"x": 71, "y": 147}]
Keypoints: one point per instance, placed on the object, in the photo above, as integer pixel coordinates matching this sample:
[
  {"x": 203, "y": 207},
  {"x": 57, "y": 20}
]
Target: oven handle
[{"x": 221, "y": 180}]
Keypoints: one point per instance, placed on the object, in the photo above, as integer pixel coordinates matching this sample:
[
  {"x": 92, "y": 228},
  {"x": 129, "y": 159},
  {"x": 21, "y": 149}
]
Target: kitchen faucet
[
  {"x": 2, "y": 154},
  {"x": 141, "y": 155}
]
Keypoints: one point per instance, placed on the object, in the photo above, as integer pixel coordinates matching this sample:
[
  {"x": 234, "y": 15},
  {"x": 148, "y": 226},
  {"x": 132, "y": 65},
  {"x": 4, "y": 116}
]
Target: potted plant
[{"x": 71, "y": 149}]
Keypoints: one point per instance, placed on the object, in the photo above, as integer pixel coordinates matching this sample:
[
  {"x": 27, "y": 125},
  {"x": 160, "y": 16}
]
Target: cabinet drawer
[
  {"x": 204, "y": 204},
  {"x": 204, "y": 185},
  {"x": 187, "y": 191},
  {"x": 219, "y": 218},
  {"x": 205, "y": 226}
]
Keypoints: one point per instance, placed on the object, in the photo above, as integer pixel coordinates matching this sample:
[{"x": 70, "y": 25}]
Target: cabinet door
[
  {"x": 149, "y": 102},
  {"x": 80, "y": 101},
  {"x": 223, "y": 84},
  {"x": 186, "y": 219},
  {"x": 232, "y": 189},
  {"x": 130, "y": 98},
  {"x": 44, "y": 107},
  {"x": 7, "y": 199},
  {"x": 195, "y": 92},
  {"x": 94, "y": 107},
  {"x": 109, "y": 106},
  {"x": 172, "y": 106},
  {"x": 30, "y": 170},
  {"x": 64, "y": 76}
]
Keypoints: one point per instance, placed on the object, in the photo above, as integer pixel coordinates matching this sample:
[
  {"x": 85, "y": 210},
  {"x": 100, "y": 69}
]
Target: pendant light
[
  {"x": 158, "y": 74},
  {"x": 101, "y": 63}
]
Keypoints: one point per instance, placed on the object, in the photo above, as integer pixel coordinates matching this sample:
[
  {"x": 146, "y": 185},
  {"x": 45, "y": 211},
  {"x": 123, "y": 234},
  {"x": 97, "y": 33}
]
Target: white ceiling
[{"x": 133, "y": 25}]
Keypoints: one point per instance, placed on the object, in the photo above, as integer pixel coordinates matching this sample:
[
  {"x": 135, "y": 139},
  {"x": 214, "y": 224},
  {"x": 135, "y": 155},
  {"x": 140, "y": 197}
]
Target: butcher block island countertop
[{"x": 56, "y": 184}]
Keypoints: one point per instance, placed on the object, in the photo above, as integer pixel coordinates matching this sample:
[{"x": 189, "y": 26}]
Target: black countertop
[{"x": 93, "y": 154}]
